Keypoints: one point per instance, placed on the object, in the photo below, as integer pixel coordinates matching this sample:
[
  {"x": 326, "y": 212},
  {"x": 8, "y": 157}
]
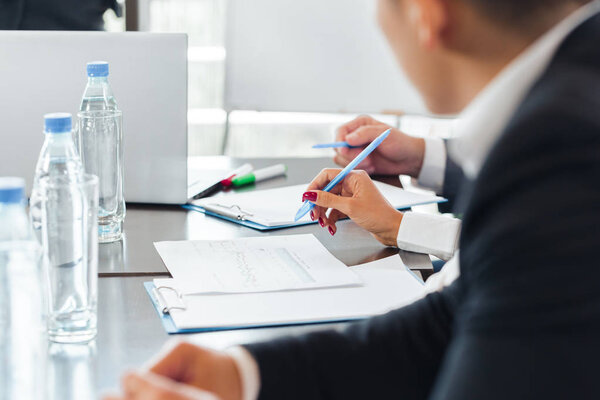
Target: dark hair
[{"x": 519, "y": 13}]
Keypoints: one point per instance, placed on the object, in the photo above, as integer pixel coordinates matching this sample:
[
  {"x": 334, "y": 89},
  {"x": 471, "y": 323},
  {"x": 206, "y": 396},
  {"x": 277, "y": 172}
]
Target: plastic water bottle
[
  {"x": 59, "y": 208},
  {"x": 22, "y": 339},
  {"x": 70, "y": 246},
  {"x": 100, "y": 144},
  {"x": 98, "y": 94},
  {"x": 58, "y": 157}
]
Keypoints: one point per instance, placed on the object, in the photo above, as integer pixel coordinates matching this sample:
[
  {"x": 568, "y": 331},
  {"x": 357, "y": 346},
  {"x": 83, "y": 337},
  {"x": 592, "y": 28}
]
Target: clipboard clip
[
  {"x": 228, "y": 211},
  {"x": 165, "y": 308}
]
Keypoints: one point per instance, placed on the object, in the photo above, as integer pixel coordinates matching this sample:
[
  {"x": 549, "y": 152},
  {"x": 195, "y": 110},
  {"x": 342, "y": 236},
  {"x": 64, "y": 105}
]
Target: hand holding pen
[
  {"x": 400, "y": 154},
  {"x": 353, "y": 194},
  {"x": 308, "y": 206},
  {"x": 356, "y": 197}
]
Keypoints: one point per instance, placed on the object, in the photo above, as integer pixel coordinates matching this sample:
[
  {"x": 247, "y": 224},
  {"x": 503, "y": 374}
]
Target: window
[{"x": 249, "y": 133}]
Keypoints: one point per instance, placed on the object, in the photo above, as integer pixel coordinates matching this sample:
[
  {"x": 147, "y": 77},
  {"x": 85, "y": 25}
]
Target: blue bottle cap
[
  {"x": 11, "y": 190},
  {"x": 97, "y": 68},
  {"x": 57, "y": 123}
]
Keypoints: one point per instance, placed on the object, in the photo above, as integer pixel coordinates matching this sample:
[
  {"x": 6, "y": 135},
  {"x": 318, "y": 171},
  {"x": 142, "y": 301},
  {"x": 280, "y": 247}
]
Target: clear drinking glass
[
  {"x": 100, "y": 142},
  {"x": 70, "y": 245}
]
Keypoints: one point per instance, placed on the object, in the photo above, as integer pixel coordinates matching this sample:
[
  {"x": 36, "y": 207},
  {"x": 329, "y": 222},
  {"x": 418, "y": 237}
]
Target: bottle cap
[
  {"x": 97, "y": 68},
  {"x": 57, "y": 123},
  {"x": 11, "y": 189}
]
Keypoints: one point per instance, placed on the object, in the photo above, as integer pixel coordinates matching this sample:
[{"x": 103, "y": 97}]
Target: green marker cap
[{"x": 243, "y": 180}]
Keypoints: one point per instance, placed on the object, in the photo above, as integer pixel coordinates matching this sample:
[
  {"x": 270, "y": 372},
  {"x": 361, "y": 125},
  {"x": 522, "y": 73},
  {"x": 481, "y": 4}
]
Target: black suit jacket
[
  {"x": 66, "y": 15},
  {"x": 454, "y": 179},
  {"x": 523, "y": 319}
]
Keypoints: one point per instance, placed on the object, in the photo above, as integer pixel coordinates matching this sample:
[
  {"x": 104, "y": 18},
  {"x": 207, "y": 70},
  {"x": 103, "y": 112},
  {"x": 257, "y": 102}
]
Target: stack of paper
[{"x": 272, "y": 281}]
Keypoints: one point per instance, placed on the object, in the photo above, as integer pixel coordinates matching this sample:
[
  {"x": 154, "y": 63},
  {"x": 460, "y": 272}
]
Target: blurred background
[
  {"x": 249, "y": 131},
  {"x": 242, "y": 132}
]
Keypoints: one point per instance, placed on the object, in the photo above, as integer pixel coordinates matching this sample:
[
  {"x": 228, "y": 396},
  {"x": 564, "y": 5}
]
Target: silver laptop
[{"x": 44, "y": 72}]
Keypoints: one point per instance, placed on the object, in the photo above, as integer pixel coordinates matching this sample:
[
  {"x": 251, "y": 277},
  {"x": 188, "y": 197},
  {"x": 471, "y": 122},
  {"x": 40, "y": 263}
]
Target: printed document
[{"x": 259, "y": 264}]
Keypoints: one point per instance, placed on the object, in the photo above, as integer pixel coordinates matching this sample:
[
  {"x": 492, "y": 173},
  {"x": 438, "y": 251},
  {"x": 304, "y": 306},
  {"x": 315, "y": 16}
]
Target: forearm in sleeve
[{"x": 396, "y": 354}]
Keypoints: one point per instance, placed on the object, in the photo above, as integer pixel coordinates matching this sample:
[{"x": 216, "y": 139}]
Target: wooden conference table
[{"x": 129, "y": 330}]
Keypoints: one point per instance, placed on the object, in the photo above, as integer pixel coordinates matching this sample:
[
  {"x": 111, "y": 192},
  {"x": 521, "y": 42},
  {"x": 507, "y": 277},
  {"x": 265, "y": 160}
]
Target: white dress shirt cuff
[
  {"x": 429, "y": 233},
  {"x": 434, "y": 165},
  {"x": 248, "y": 370},
  {"x": 449, "y": 273}
]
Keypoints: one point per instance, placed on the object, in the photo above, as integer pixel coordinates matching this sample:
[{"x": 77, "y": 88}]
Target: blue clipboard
[
  {"x": 171, "y": 329},
  {"x": 264, "y": 228},
  {"x": 246, "y": 223}
]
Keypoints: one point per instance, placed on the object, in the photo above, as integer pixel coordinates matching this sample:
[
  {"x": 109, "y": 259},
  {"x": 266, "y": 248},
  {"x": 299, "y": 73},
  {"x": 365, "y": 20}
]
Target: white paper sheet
[
  {"x": 387, "y": 285},
  {"x": 276, "y": 207},
  {"x": 257, "y": 264}
]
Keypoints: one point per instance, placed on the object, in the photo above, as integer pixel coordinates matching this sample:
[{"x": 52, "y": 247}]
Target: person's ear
[{"x": 430, "y": 18}]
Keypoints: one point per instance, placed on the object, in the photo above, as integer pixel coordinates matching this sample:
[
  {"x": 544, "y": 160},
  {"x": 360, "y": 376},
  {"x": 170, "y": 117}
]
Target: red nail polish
[
  {"x": 321, "y": 222},
  {"x": 310, "y": 196},
  {"x": 331, "y": 231},
  {"x": 312, "y": 215}
]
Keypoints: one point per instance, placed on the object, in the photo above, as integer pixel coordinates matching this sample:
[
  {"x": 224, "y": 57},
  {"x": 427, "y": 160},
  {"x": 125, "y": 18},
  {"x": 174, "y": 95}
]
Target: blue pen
[
  {"x": 307, "y": 206},
  {"x": 335, "y": 145}
]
